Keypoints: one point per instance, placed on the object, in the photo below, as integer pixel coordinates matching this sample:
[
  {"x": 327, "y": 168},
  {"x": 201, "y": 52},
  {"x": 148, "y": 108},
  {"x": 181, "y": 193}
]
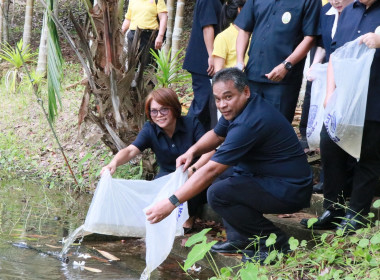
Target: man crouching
[{"x": 271, "y": 174}]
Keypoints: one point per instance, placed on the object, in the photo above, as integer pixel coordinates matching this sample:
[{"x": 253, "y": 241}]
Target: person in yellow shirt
[
  {"x": 224, "y": 52},
  {"x": 147, "y": 15}
]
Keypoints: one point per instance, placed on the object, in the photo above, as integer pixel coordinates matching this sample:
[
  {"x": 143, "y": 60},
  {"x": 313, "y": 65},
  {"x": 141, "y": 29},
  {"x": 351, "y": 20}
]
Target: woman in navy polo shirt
[
  {"x": 167, "y": 133},
  {"x": 360, "y": 18}
]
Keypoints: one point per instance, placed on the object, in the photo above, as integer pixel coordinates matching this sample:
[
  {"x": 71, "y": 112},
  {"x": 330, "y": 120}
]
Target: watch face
[{"x": 288, "y": 65}]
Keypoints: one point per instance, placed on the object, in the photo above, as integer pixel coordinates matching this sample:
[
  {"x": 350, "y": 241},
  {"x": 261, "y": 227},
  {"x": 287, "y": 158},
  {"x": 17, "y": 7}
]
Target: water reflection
[{"x": 41, "y": 217}]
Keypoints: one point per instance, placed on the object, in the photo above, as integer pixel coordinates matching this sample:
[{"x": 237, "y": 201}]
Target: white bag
[
  {"x": 318, "y": 74},
  {"x": 345, "y": 111},
  {"x": 118, "y": 208}
]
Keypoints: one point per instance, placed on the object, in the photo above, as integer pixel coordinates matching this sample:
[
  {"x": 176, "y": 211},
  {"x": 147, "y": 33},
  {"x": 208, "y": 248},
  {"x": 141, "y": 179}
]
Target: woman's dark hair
[
  {"x": 165, "y": 97},
  {"x": 230, "y": 12}
]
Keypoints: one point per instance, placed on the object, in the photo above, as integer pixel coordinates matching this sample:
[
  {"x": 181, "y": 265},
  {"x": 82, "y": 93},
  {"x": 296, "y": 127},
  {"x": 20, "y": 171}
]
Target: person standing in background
[
  {"x": 147, "y": 15},
  {"x": 283, "y": 32},
  {"x": 224, "y": 52},
  {"x": 199, "y": 61}
]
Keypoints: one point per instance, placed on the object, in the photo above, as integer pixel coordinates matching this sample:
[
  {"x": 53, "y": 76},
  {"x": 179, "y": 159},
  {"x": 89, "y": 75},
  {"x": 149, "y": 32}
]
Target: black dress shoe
[
  {"x": 328, "y": 220},
  {"x": 350, "y": 223},
  {"x": 231, "y": 247}
]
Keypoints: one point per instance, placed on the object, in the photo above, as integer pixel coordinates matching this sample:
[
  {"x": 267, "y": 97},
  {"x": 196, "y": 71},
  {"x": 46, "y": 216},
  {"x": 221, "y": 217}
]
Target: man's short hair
[{"x": 231, "y": 74}]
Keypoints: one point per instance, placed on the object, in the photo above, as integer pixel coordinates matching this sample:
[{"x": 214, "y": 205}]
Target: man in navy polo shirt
[
  {"x": 282, "y": 34},
  {"x": 359, "y": 18},
  {"x": 271, "y": 173},
  {"x": 199, "y": 61}
]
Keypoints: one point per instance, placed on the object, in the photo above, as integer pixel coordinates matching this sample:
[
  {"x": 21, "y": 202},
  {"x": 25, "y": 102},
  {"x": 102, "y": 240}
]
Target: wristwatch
[
  {"x": 174, "y": 200},
  {"x": 288, "y": 65}
]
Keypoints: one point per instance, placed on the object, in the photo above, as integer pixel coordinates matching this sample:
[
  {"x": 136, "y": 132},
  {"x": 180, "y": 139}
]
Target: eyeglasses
[{"x": 163, "y": 111}]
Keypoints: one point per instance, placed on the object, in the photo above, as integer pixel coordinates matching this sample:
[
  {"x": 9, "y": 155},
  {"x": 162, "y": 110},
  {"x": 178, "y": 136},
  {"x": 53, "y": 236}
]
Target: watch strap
[{"x": 174, "y": 200}]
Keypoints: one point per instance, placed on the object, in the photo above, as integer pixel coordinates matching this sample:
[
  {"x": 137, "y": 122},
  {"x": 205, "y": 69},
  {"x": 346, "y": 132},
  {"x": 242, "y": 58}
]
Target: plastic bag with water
[
  {"x": 318, "y": 74},
  {"x": 118, "y": 208},
  {"x": 345, "y": 111}
]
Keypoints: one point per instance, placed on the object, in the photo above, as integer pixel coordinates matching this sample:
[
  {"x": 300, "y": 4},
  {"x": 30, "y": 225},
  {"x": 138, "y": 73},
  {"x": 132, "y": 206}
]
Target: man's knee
[{"x": 217, "y": 196}]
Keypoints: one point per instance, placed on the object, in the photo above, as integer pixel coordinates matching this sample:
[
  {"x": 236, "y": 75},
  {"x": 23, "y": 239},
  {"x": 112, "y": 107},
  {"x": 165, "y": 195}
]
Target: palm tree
[
  {"x": 170, "y": 4},
  {"x": 28, "y": 22},
  {"x": 178, "y": 24}
]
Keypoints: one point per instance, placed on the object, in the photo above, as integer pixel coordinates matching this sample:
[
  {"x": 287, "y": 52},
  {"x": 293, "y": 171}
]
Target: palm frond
[{"x": 54, "y": 67}]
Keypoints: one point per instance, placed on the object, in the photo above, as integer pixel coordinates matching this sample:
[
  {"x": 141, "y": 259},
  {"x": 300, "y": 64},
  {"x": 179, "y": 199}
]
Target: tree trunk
[
  {"x": 178, "y": 24},
  {"x": 42, "y": 53},
  {"x": 28, "y": 23},
  {"x": 1, "y": 20},
  {"x": 111, "y": 103},
  {"x": 4, "y": 22},
  {"x": 169, "y": 29}
]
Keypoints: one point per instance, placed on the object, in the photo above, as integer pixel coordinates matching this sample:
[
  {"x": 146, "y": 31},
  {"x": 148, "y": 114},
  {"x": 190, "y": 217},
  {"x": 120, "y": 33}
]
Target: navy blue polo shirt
[
  {"x": 261, "y": 143},
  {"x": 277, "y": 27},
  {"x": 187, "y": 132},
  {"x": 353, "y": 22},
  {"x": 326, "y": 23},
  {"x": 206, "y": 12}
]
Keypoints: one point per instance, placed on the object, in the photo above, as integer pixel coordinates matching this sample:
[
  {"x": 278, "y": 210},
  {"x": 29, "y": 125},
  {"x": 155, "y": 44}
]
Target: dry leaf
[
  {"x": 92, "y": 269},
  {"x": 52, "y": 246},
  {"x": 108, "y": 255}
]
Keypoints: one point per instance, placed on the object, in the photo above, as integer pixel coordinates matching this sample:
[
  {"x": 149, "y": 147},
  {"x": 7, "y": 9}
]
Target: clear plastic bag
[
  {"x": 345, "y": 111},
  {"x": 318, "y": 74},
  {"x": 118, "y": 208}
]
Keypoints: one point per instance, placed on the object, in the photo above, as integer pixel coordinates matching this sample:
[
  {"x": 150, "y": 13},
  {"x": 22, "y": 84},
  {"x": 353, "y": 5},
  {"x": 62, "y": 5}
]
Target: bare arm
[
  {"x": 205, "y": 158},
  {"x": 279, "y": 72},
  {"x": 125, "y": 25},
  {"x": 194, "y": 185},
  {"x": 219, "y": 63},
  {"x": 209, "y": 142},
  {"x": 330, "y": 84},
  {"x": 163, "y": 19},
  {"x": 241, "y": 46},
  {"x": 122, "y": 157},
  {"x": 208, "y": 37}
]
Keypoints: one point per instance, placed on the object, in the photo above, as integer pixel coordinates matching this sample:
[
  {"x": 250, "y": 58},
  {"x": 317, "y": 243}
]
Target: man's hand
[
  {"x": 159, "y": 211},
  {"x": 211, "y": 69},
  {"x": 185, "y": 160},
  {"x": 371, "y": 40},
  {"x": 277, "y": 74},
  {"x": 159, "y": 41},
  {"x": 111, "y": 167}
]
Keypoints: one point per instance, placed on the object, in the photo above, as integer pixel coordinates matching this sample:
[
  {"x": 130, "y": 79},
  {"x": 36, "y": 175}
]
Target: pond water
[{"x": 33, "y": 216}]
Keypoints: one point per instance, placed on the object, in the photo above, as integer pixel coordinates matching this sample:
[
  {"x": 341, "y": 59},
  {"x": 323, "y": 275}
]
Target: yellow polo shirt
[
  {"x": 324, "y": 2},
  {"x": 143, "y": 13},
  {"x": 225, "y": 46}
]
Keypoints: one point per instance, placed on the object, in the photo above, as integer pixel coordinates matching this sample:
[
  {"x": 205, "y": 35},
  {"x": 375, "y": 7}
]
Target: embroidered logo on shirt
[{"x": 286, "y": 17}]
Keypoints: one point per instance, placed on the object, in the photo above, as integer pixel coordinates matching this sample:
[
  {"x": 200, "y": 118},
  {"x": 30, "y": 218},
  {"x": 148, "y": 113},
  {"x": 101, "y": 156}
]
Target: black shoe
[
  {"x": 231, "y": 247},
  {"x": 350, "y": 223},
  {"x": 328, "y": 220},
  {"x": 318, "y": 188}
]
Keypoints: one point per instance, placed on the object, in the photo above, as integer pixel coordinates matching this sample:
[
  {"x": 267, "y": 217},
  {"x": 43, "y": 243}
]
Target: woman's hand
[
  {"x": 159, "y": 211},
  {"x": 185, "y": 160},
  {"x": 111, "y": 167}
]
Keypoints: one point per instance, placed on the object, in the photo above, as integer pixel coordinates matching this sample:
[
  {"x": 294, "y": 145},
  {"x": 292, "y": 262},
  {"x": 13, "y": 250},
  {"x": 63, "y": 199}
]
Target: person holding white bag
[
  {"x": 361, "y": 18},
  {"x": 168, "y": 135}
]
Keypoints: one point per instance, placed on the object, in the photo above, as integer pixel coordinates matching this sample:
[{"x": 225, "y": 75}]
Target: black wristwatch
[
  {"x": 174, "y": 200},
  {"x": 288, "y": 65}
]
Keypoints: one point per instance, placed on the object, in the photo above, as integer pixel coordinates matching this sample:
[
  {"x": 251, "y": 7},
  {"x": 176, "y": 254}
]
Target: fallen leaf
[
  {"x": 52, "y": 246},
  {"x": 92, "y": 269},
  {"x": 108, "y": 255}
]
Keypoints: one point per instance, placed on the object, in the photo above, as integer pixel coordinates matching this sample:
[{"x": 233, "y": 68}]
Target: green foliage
[
  {"x": 335, "y": 256},
  {"x": 54, "y": 67},
  {"x": 168, "y": 71},
  {"x": 16, "y": 57}
]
